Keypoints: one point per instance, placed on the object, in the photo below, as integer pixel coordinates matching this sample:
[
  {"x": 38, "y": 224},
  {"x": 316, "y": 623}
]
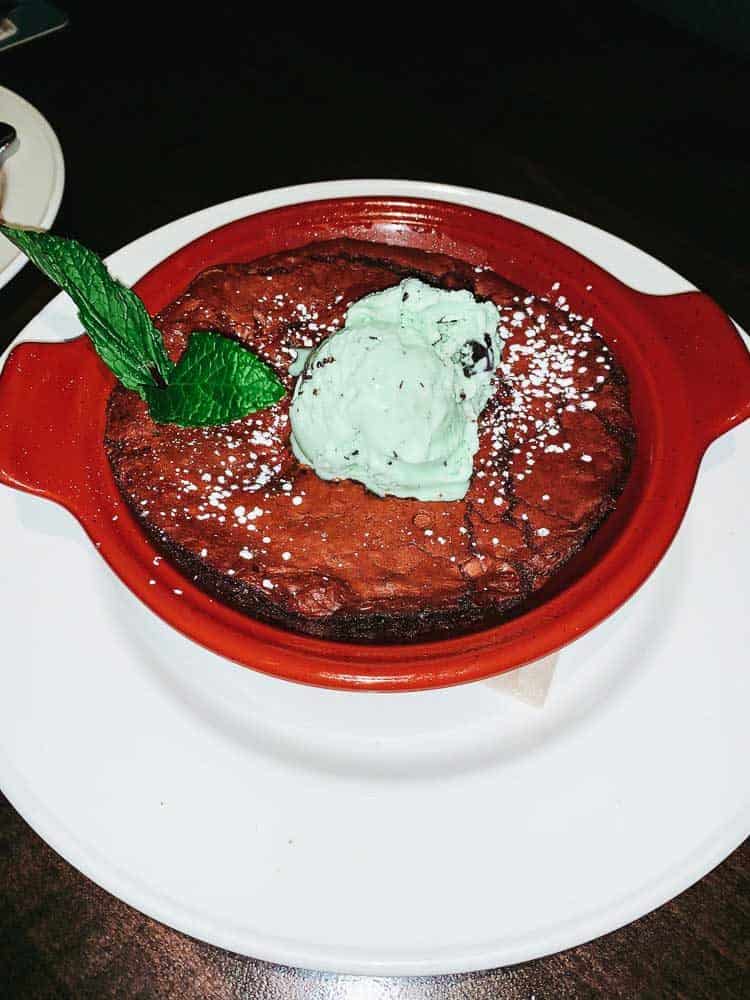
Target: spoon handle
[{"x": 7, "y": 138}]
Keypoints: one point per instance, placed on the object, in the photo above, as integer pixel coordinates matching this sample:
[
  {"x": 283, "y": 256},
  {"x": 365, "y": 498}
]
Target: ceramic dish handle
[
  {"x": 713, "y": 357},
  {"x": 44, "y": 403}
]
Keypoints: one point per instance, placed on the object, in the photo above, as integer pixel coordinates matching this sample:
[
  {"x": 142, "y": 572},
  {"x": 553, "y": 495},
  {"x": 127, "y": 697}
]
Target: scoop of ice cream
[{"x": 392, "y": 399}]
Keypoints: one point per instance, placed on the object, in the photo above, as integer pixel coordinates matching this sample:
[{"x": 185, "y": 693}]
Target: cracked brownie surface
[{"x": 235, "y": 511}]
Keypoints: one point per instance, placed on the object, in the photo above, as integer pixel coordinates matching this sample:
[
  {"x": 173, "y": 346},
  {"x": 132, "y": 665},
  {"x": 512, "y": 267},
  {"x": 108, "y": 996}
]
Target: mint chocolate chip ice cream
[{"x": 392, "y": 399}]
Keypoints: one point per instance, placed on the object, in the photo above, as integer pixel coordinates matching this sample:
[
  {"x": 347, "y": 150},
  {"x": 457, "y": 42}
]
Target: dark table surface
[{"x": 611, "y": 113}]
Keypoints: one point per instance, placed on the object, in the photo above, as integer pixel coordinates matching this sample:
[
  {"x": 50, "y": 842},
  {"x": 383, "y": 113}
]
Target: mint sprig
[{"x": 216, "y": 380}]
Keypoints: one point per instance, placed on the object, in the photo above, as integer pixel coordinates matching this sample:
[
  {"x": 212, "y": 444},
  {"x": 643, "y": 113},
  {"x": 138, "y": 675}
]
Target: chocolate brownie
[{"x": 236, "y": 512}]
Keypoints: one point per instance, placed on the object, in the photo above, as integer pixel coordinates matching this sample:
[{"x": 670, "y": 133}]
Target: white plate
[
  {"x": 383, "y": 834},
  {"x": 31, "y": 179}
]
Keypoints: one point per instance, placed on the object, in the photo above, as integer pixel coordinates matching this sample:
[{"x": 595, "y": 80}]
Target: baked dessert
[{"x": 235, "y": 510}]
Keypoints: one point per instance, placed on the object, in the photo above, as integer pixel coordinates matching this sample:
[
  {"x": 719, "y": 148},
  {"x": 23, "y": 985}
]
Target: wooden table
[{"x": 611, "y": 116}]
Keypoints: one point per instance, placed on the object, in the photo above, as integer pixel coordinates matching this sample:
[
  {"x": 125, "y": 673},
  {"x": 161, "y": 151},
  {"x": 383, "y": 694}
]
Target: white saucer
[
  {"x": 31, "y": 179},
  {"x": 382, "y": 834}
]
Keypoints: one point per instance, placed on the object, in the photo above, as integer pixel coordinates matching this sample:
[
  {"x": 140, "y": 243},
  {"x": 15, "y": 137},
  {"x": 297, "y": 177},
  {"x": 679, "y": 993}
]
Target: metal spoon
[{"x": 8, "y": 139}]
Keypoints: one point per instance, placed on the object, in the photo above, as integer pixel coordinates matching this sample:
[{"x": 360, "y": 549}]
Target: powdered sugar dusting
[{"x": 540, "y": 376}]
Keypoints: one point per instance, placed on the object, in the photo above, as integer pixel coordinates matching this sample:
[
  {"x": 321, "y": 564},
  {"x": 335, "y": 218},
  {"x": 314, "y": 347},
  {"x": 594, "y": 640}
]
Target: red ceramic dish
[{"x": 689, "y": 379}]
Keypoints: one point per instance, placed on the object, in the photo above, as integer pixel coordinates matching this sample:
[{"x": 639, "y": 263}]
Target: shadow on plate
[{"x": 414, "y": 735}]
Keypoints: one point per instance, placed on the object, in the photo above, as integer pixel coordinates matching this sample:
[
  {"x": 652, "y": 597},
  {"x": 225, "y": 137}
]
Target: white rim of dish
[
  {"x": 57, "y": 161},
  {"x": 94, "y": 864}
]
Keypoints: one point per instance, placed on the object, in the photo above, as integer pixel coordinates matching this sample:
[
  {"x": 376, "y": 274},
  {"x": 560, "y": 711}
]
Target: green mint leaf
[
  {"x": 217, "y": 380},
  {"x": 113, "y": 316}
]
